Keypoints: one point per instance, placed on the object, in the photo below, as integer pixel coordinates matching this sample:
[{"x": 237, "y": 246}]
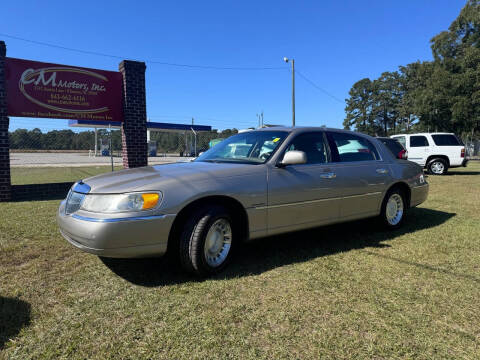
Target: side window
[
  {"x": 401, "y": 140},
  {"x": 313, "y": 145},
  {"x": 348, "y": 147},
  {"x": 418, "y": 141}
]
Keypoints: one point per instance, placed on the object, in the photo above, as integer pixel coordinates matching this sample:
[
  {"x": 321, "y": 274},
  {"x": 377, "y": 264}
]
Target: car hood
[{"x": 154, "y": 177}]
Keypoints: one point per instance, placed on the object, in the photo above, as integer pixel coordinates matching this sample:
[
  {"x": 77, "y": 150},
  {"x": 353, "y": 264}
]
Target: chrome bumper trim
[{"x": 136, "y": 218}]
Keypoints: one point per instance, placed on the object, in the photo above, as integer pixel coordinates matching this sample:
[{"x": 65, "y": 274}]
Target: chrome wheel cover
[
  {"x": 218, "y": 242},
  {"x": 437, "y": 167},
  {"x": 394, "y": 209}
]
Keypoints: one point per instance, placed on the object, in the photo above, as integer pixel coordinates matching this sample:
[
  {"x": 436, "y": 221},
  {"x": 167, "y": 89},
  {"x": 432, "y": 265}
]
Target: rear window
[
  {"x": 401, "y": 140},
  {"x": 347, "y": 147},
  {"x": 393, "y": 145},
  {"x": 446, "y": 140}
]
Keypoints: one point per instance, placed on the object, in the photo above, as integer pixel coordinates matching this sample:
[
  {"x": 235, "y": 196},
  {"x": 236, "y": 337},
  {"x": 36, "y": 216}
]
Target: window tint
[
  {"x": 401, "y": 140},
  {"x": 349, "y": 147},
  {"x": 418, "y": 141},
  {"x": 446, "y": 140},
  {"x": 313, "y": 145},
  {"x": 393, "y": 145}
]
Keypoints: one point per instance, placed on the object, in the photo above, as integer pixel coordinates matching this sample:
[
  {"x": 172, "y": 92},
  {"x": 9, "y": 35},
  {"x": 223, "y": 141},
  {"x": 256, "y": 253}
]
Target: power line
[
  {"x": 181, "y": 118},
  {"x": 319, "y": 88},
  {"x": 190, "y": 66}
]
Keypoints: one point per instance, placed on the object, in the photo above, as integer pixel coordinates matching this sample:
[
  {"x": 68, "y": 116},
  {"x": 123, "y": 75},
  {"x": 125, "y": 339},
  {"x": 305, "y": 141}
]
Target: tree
[
  {"x": 386, "y": 99},
  {"x": 359, "y": 106},
  {"x": 440, "y": 95}
]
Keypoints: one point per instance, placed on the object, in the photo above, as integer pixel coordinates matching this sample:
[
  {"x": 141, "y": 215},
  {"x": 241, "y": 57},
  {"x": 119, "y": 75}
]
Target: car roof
[
  {"x": 300, "y": 129},
  {"x": 431, "y": 133}
]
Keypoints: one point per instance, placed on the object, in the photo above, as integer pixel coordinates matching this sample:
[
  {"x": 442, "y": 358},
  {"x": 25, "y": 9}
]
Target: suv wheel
[
  {"x": 206, "y": 241},
  {"x": 437, "y": 167}
]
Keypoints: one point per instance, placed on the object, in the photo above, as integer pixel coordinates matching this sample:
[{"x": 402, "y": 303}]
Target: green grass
[
  {"x": 42, "y": 175},
  {"x": 345, "y": 291}
]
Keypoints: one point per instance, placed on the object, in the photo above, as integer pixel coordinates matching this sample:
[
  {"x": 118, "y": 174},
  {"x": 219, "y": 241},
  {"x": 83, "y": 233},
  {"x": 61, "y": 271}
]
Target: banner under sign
[{"x": 44, "y": 90}]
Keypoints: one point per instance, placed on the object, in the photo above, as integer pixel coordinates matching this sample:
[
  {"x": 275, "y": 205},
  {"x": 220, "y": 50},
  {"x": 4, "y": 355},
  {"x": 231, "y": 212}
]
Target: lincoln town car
[{"x": 254, "y": 184}]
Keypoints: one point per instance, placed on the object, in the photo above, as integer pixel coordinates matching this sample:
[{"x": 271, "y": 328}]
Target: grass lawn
[
  {"x": 42, "y": 175},
  {"x": 344, "y": 291}
]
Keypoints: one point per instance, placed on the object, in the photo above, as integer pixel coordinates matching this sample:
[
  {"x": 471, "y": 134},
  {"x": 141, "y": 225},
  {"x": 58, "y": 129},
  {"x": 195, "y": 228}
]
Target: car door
[
  {"x": 361, "y": 174},
  {"x": 304, "y": 195},
  {"x": 418, "y": 149}
]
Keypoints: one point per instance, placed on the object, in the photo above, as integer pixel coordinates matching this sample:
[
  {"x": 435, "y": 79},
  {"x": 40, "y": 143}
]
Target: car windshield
[{"x": 252, "y": 147}]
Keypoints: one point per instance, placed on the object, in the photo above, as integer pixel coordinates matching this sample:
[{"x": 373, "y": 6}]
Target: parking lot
[{"x": 72, "y": 159}]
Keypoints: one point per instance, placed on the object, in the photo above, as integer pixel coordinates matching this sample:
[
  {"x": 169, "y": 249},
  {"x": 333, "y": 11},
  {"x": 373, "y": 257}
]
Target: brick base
[
  {"x": 134, "y": 127},
  {"x": 5, "y": 187}
]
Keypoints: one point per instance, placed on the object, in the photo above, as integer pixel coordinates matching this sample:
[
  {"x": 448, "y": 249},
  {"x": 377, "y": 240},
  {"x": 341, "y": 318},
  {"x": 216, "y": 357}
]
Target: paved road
[{"x": 77, "y": 159}]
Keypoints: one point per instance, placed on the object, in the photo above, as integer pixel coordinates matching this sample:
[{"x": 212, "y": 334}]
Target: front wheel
[
  {"x": 206, "y": 241},
  {"x": 393, "y": 209}
]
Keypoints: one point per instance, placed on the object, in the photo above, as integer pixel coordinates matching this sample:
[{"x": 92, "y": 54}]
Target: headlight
[
  {"x": 74, "y": 201},
  {"x": 121, "y": 202}
]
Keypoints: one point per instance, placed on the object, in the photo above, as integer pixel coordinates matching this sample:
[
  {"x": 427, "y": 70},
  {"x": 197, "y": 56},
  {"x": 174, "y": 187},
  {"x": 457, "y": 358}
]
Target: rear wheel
[
  {"x": 393, "y": 209},
  {"x": 437, "y": 167},
  {"x": 206, "y": 241}
]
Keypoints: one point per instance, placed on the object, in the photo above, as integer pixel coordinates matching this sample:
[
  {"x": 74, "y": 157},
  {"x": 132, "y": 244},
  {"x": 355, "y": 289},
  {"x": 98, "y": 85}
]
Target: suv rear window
[
  {"x": 446, "y": 140},
  {"x": 418, "y": 141},
  {"x": 393, "y": 145}
]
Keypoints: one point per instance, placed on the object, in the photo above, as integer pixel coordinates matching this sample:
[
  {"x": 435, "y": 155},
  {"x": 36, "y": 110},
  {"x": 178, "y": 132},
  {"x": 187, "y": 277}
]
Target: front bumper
[
  {"x": 419, "y": 194},
  {"x": 118, "y": 237}
]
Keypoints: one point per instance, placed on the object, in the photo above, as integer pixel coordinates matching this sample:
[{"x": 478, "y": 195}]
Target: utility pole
[
  {"x": 293, "y": 87},
  {"x": 110, "y": 144},
  {"x": 260, "y": 120},
  {"x": 195, "y": 134}
]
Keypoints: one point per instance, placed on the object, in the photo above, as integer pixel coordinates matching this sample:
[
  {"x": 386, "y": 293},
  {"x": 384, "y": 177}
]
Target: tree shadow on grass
[
  {"x": 265, "y": 254},
  {"x": 14, "y": 315}
]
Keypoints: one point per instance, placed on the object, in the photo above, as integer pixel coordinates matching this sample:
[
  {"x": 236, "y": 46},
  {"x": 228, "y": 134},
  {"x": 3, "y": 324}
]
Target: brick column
[
  {"x": 134, "y": 127},
  {"x": 5, "y": 185}
]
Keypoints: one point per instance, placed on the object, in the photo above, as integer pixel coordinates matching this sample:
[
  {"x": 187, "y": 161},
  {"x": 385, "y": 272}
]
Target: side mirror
[{"x": 294, "y": 157}]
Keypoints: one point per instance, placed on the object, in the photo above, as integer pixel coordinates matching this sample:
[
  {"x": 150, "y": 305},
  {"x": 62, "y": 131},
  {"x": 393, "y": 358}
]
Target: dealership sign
[{"x": 43, "y": 90}]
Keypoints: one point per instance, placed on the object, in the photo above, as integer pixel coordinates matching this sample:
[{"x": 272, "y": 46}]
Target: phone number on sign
[{"x": 66, "y": 97}]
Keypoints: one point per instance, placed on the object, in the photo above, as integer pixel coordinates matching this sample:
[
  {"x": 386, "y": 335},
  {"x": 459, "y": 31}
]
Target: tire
[
  {"x": 437, "y": 167},
  {"x": 393, "y": 209},
  {"x": 206, "y": 243}
]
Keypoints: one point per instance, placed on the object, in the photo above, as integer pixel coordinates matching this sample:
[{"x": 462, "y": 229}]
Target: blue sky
[{"x": 334, "y": 43}]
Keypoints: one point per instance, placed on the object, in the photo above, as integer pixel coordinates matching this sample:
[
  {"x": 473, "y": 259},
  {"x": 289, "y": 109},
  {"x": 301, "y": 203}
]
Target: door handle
[
  {"x": 382, "y": 171},
  {"x": 329, "y": 175}
]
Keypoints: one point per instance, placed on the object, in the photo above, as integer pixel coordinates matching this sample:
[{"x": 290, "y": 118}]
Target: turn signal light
[{"x": 149, "y": 201}]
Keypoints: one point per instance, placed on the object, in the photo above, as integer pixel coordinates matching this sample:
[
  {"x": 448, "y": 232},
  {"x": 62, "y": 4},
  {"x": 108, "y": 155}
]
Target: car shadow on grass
[
  {"x": 262, "y": 255},
  {"x": 453, "y": 172},
  {"x": 14, "y": 315}
]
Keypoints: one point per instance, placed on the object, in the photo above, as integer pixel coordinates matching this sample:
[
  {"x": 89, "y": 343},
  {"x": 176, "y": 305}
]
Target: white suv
[{"x": 434, "y": 151}]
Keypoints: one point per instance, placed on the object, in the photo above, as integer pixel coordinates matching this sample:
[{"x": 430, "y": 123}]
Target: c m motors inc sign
[{"x": 45, "y": 90}]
